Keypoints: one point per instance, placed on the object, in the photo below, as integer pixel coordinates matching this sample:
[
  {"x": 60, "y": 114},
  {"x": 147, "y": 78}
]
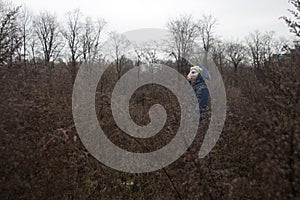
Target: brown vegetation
[{"x": 257, "y": 156}]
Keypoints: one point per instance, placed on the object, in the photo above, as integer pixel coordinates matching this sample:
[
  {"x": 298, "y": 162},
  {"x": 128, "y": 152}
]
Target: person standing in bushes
[{"x": 196, "y": 77}]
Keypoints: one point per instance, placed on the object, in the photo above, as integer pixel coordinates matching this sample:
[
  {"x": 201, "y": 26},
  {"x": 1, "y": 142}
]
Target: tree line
[{"x": 25, "y": 37}]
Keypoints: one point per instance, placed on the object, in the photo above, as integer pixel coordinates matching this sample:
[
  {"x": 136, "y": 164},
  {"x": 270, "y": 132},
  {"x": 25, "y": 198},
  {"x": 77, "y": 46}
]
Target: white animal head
[{"x": 194, "y": 72}]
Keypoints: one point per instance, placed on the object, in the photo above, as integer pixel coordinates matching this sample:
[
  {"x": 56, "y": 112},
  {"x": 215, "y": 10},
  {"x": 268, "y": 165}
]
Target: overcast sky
[{"x": 236, "y": 18}]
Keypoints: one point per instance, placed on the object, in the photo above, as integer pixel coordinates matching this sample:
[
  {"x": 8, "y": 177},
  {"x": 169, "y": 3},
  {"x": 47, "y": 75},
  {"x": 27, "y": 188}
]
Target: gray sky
[{"x": 236, "y": 18}]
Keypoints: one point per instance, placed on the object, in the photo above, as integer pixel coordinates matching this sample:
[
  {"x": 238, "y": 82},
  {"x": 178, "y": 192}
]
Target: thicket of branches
[
  {"x": 294, "y": 22},
  {"x": 10, "y": 37}
]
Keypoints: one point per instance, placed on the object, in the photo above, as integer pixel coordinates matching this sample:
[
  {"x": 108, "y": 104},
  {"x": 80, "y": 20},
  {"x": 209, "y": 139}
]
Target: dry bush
[{"x": 256, "y": 157}]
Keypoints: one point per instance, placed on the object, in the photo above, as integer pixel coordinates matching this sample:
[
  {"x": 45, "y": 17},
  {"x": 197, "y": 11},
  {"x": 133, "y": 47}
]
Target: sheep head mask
[{"x": 194, "y": 72}]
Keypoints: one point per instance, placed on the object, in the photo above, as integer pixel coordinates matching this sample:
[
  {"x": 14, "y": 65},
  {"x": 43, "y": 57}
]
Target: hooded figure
[{"x": 195, "y": 76}]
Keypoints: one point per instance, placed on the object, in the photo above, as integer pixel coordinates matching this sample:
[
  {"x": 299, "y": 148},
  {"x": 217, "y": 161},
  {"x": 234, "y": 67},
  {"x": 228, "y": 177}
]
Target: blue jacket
[{"x": 201, "y": 91}]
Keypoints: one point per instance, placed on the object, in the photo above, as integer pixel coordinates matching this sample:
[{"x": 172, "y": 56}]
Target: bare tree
[
  {"x": 72, "y": 33},
  {"x": 261, "y": 47},
  {"x": 150, "y": 51},
  {"x": 146, "y": 52},
  {"x": 90, "y": 39},
  {"x": 280, "y": 45},
  {"x": 33, "y": 45},
  {"x": 138, "y": 52},
  {"x": 236, "y": 53},
  {"x": 206, "y": 26},
  {"x": 25, "y": 22},
  {"x": 120, "y": 45},
  {"x": 47, "y": 30},
  {"x": 294, "y": 24},
  {"x": 218, "y": 53},
  {"x": 183, "y": 33},
  {"x": 10, "y": 38}
]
